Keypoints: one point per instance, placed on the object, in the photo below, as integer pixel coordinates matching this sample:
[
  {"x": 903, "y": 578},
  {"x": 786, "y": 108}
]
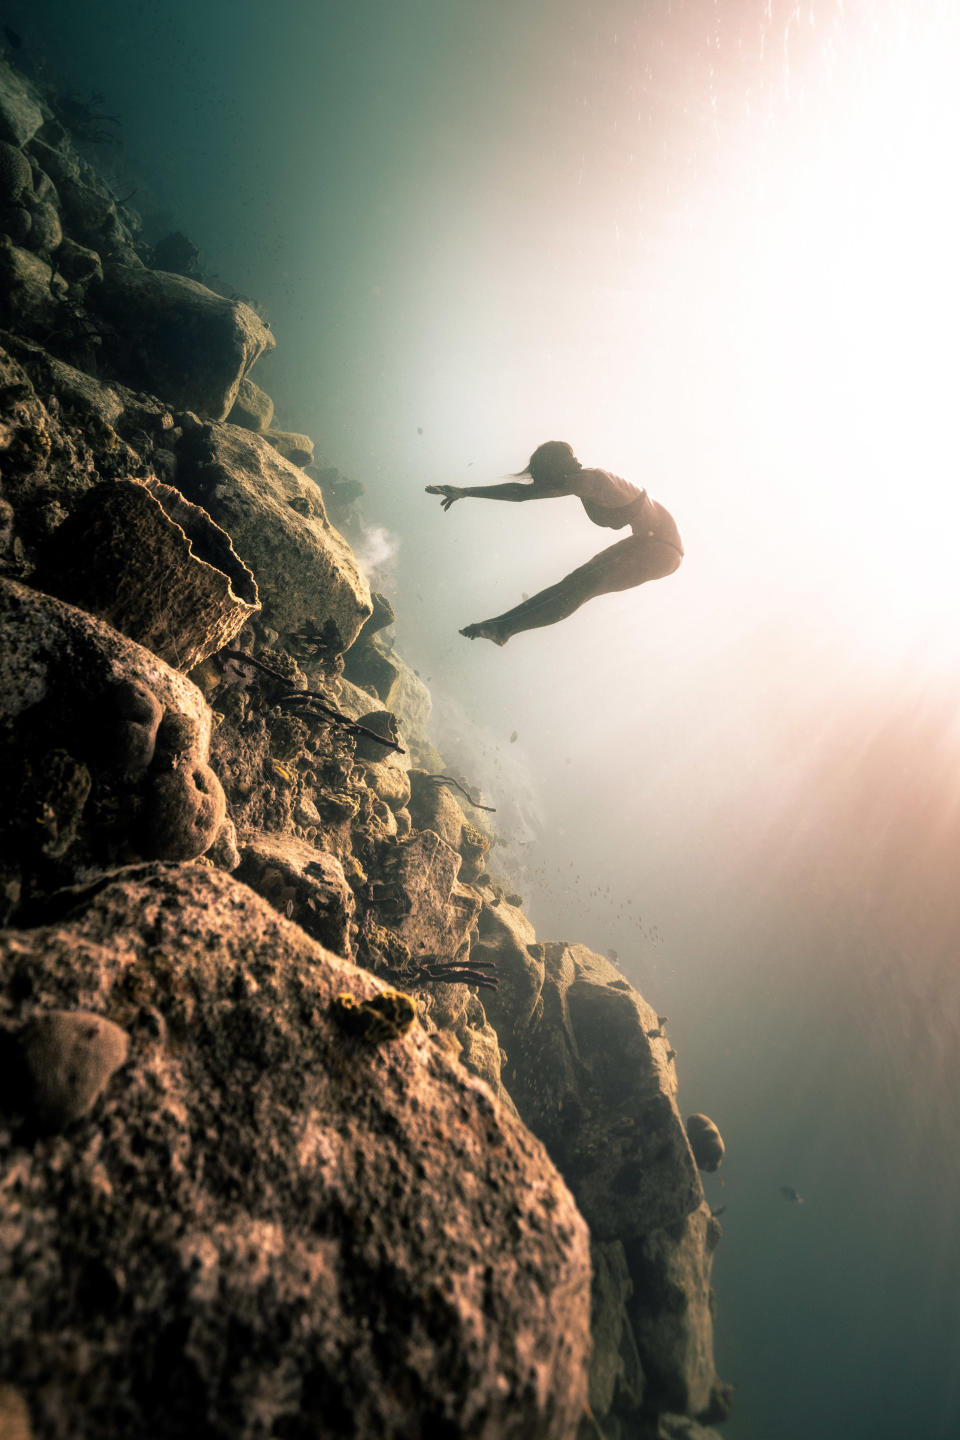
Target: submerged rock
[
  {"x": 27, "y": 302},
  {"x": 20, "y": 115},
  {"x": 589, "y": 1071},
  {"x": 305, "y": 885},
  {"x": 706, "y": 1142},
  {"x": 296, "y": 448},
  {"x": 253, "y": 408},
  {"x": 179, "y": 340},
  {"x": 271, "y": 1226},
  {"x": 306, "y": 572},
  {"x": 105, "y": 750},
  {"x": 600, "y": 1092},
  {"x": 672, "y": 1316}
]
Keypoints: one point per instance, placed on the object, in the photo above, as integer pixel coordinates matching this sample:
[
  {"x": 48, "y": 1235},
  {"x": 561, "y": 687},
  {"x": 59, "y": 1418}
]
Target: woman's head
[{"x": 553, "y": 460}]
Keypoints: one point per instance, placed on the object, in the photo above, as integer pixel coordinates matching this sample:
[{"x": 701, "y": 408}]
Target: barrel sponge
[
  {"x": 706, "y": 1142},
  {"x": 184, "y": 811}
]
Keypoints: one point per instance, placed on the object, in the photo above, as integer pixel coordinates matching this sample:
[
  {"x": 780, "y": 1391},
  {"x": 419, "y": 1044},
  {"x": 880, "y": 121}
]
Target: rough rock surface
[
  {"x": 265, "y": 1225},
  {"x": 20, "y": 114},
  {"x": 103, "y": 754},
  {"x": 192, "y": 347},
  {"x": 276, "y": 519},
  {"x": 253, "y": 408},
  {"x": 237, "y": 1204},
  {"x": 293, "y": 446},
  {"x": 590, "y": 1072}
]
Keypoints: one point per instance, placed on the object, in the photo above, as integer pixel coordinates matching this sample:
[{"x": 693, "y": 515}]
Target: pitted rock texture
[
  {"x": 265, "y": 1226},
  {"x": 304, "y": 884},
  {"x": 103, "y": 753}
]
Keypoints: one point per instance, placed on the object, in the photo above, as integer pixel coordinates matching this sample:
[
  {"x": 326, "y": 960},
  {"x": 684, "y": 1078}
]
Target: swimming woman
[{"x": 653, "y": 550}]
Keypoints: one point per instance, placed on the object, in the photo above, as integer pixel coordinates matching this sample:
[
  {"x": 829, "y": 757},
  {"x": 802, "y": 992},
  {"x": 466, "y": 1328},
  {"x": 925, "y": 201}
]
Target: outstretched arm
[{"x": 511, "y": 490}]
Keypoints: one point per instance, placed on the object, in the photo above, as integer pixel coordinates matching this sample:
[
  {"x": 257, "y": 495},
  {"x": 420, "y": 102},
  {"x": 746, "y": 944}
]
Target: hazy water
[{"x": 669, "y": 237}]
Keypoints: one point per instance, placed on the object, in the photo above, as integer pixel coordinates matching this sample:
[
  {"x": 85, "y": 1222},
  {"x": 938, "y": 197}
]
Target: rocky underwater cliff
[{"x": 304, "y": 1132}]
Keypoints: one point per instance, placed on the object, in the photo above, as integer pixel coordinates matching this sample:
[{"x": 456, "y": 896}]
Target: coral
[
  {"x": 473, "y": 847},
  {"x": 184, "y": 810}
]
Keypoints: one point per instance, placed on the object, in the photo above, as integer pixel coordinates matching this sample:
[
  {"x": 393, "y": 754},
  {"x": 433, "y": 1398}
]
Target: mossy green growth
[
  {"x": 284, "y": 664},
  {"x": 387, "y": 1016},
  {"x": 288, "y": 736},
  {"x": 382, "y": 948},
  {"x": 473, "y": 843}
]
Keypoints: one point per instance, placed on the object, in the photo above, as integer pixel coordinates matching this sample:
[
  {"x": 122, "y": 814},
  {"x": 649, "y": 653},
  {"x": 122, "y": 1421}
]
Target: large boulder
[
  {"x": 253, "y": 408},
  {"x": 590, "y": 1069},
  {"x": 306, "y": 572},
  {"x": 179, "y": 340},
  {"x": 104, "y": 751},
  {"x": 20, "y": 113},
  {"x": 437, "y": 913},
  {"x": 671, "y": 1313},
  {"x": 433, "y": 807},
  {"x": 292, "y": 445},
  {"x": 27, "y": 301},
  {"x": 304, "y": 884},
  {"x": 592, "y": 1076},
  {"x": 617, "y": 1380},
  {"x": 508, "y": 942},
  {"x": 288, "y": 1212},
  {"x": 374, "y": 666}
]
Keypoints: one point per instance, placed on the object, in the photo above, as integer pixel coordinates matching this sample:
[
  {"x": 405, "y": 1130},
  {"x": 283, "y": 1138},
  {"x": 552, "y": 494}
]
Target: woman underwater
[{"x": 652, "y": 551}]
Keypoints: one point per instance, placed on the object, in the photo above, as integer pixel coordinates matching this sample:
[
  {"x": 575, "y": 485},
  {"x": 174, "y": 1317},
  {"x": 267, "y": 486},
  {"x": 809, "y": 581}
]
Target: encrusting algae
[{"x": 387, "y": 1016}]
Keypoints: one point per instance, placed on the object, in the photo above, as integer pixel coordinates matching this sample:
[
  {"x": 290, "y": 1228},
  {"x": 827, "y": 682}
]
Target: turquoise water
[{"x": 478, "y": 227}]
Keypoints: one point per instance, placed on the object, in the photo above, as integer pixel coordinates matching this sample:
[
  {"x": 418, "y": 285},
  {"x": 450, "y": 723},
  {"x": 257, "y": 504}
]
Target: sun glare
[{"x": 853, "y": 307}]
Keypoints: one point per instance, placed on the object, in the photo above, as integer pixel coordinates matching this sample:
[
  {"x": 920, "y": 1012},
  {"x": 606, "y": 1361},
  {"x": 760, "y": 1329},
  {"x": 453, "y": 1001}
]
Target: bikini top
[{"x": 637, "y": 510}]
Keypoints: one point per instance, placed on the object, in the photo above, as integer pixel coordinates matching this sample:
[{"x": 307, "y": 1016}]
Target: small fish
[
  {"x": 513, "y": 737},
  {"x": 662, "y": 1019},
  {"x": 613, "y": 955},
  {"x": 718, "y": 1212},
  {"x": 793, "y": 1197}
]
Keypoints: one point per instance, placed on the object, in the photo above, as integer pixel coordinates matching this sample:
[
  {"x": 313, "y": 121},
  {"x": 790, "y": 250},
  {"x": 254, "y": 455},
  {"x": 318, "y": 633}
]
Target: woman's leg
[{"x": 620, "y": 567}]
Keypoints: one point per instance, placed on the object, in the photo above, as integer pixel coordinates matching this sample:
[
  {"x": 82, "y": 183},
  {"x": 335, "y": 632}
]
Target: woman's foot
[{"x": 485, "y": 630}]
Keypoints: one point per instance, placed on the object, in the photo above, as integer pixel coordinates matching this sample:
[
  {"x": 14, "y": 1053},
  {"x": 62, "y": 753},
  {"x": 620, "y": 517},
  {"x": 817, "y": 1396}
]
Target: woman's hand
[{"x": 449, "y": 493}]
